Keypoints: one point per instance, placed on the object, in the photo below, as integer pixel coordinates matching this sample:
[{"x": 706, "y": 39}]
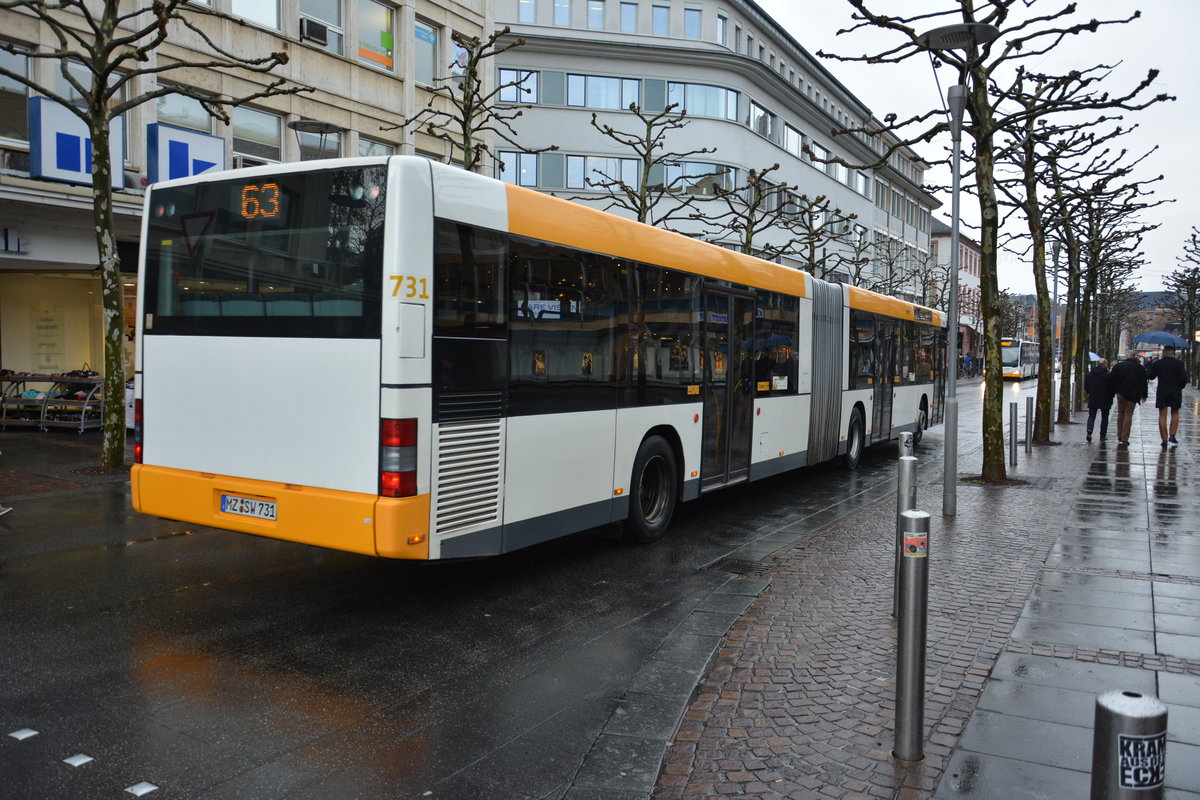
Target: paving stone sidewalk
[{"x": 1026, "y": 626}]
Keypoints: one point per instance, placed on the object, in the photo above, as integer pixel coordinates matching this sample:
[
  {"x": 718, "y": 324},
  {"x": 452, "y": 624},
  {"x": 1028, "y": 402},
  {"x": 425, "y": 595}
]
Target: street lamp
[{"x": 964, "y": 36}]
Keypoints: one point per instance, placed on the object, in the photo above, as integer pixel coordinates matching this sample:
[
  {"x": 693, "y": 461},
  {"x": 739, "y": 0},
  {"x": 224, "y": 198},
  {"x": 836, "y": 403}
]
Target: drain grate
[{"x": 741, "y": 566}]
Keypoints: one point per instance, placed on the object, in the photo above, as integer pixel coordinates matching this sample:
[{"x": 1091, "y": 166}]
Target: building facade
[
  {"x": 369, "y": 65},
  {"x": 970, "y": 298},
  {"x": 754, "y": 97}
]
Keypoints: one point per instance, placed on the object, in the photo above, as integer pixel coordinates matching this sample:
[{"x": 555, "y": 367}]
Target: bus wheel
[
  {"x": 854, "y": 441},
  {"x": 653, "y": 491},
  {"x": 922, "y": 423}
]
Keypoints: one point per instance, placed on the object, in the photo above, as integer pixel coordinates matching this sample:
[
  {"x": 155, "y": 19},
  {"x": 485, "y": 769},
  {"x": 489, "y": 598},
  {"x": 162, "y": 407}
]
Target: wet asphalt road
[{"x": 217, "y": 665}]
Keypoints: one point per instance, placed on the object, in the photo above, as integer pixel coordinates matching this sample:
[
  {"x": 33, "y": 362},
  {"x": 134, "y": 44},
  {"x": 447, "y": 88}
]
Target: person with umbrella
[
  {"x": 1172, "y": 378},
  {"x": 1130, "y": 384}
]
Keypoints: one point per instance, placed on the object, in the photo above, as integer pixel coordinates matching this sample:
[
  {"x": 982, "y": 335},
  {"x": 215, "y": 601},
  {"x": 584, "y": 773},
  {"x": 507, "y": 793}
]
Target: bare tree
[
  {"x": 1025, "y": 37},
  {"x": 1183, "y": 296},
  {"x": 752, "y": 210},
  {"x": 463, "y": 112},
  {"x": 823, "y": 235},
  {"x": 116, "y": 52}
]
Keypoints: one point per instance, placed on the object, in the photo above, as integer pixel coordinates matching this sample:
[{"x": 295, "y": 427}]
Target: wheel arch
[{"x": 669, "y": 434}]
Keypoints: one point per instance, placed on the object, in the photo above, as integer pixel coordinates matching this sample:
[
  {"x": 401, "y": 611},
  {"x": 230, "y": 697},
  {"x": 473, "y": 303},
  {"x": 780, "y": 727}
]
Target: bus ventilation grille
[
  {"x": 469, "y": 477},
  {"x": 469, "y": 405}
]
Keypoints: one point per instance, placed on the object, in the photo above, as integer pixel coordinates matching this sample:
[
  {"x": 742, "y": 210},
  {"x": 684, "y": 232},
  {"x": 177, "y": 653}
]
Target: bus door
[
  {"x": 885, "y": 383},
  {"x": 728, "y": 388}
]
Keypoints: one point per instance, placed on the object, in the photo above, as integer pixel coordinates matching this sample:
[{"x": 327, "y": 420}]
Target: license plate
[{"x": 248, "y": 506}]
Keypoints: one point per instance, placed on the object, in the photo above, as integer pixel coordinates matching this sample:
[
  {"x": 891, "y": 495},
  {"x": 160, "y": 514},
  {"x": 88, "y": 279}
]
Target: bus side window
[
  {"x": 862, "y": 349},
  {"x": 469, "y": 280}
]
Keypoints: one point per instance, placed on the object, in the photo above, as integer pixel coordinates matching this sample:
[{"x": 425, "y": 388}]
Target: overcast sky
[{"x": 1165, "y": 38}]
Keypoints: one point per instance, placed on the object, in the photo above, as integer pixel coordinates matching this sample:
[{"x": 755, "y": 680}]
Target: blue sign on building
[
  {"x": 60, "y": 146},
  {"x": 180, "y": 153}
]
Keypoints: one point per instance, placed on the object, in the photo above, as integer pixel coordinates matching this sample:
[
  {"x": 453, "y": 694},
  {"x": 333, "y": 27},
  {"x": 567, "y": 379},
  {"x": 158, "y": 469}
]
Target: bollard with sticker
[
  {"x": 910, "y": 637},
  {"x": 1129, "y": 747}
]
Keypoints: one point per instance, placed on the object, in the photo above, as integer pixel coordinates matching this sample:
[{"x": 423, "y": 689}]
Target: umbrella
[
  {"x": 1093, "y": 356},
  {"x": 1160, "y": 337}
]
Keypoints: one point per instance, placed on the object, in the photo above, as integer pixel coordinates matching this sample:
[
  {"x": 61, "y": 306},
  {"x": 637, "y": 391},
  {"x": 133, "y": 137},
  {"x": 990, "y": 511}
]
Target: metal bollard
[
  {"x": 1028, "y": 425},
  {"x": 1012, "y": 433},
  {"x": 910, "y": 646},
  {"x": 906, "y": 500},
  {"x": 1129, "y": 747}
]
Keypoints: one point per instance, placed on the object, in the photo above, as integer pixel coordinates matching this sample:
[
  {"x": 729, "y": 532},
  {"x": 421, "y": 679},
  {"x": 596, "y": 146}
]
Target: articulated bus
[
  {"x": 395, "y": 357},
  {"x": 1019, "y": 358}
]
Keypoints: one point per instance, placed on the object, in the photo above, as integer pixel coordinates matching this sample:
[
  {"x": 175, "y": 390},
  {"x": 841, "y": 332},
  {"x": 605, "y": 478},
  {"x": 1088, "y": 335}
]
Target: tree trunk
[
  {"x": 1074, "y": 357},
  {"x": 112, "y": 292},
  {"x": 993, "y": 390}
]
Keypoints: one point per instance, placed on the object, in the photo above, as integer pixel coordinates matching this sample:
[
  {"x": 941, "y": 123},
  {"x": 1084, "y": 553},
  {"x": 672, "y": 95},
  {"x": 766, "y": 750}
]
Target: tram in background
[
  {"x": 395, "y": 357},
  {"x": 1019, "y": 358}
]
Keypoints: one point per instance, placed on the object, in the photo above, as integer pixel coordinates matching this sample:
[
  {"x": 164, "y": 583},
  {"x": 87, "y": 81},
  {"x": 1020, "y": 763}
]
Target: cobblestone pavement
[{"x": 800, "y": 701}]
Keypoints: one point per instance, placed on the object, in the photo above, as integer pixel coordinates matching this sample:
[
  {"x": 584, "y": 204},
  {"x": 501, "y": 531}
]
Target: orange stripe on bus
[
  {"x": 865, "y": 300},
  {"x": 540, "y": 216}
]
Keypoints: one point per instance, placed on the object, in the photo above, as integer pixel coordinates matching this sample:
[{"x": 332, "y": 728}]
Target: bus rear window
[{"x": 295, "y": 254}]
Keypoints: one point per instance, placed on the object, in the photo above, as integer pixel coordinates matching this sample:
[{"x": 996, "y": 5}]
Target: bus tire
[
  {"x": 653, "y": 491},
  {"x": 922, "y": 423},
  {"x": 855, "y": 441}
]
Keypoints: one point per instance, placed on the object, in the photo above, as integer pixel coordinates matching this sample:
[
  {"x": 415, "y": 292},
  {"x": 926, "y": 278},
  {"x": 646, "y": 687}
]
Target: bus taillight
[
  {"x": 137, "y": 431},
  {"x": 398, "y": 457}
]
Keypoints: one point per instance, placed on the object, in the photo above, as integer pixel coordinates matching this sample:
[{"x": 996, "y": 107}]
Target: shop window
[
  {"x": 376, "y": 34},
  {"x": 256, "y": 135},
  {"x": 329, "y": 14},
  {"x": 260, "y": 12}
]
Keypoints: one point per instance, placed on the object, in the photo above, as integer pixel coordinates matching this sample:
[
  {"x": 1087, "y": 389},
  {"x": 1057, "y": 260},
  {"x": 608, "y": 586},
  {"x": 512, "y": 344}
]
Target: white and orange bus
[{"x": 394, "y": 357}]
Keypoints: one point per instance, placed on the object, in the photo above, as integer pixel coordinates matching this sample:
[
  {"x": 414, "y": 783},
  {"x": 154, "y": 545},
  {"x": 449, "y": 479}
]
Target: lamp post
[{"x": 964, "y": 36}]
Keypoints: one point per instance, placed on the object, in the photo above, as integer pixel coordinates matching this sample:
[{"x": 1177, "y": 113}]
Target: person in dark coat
[
  {"x": 1130, "y": 384},
  {"x": 1098, "y": 385},
  {"x": 1172, "y": 378}
]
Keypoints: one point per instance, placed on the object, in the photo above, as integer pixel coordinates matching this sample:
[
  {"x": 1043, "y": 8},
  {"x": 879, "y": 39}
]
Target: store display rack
[{"x": 51, "y": 401}]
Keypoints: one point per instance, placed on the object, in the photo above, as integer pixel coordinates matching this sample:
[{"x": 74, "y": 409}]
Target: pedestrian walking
[
  {"x": 1099, "y": 388},
  {"x": 1172, "y": 378},
  {"x": 1131, "y": 386}
]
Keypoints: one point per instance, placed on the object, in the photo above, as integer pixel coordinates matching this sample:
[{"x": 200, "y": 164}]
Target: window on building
[
  {"x": 261, "y": 12},
  {"x": 699, "y": 177},
  {"x": 460, "y": 57},
  {"x": 595, "y": 14},
  {"x": 518, "y": 168},
  {"x": 763, "y": 122},
  {"x": 737, "y": 38},
  {"x": 897, "y": 203},
  {"x": 722, "y": 31},
  {"x": 701, "y": 100},
  {"x": 14, "y": 123},
  {"x": 329, "y": 14},
  {"x": 594, "y": 91},
  {"x": 526, "y": 10},
  {"x": 762, "y": 52},
  {"x": 749, "y": 44},
  {"x": 425, "y": 39},
  {"x": 314, "y": 146},
  {"x": 581, "y": 169},
  {"x": 376, "y": 27},
  {"x": 881, "y": 194},
  {"x": 183, "y": 112},
  {"x": 562, "y": 12},
  {"x": 370, "y": 147},
  {"x": 661, "y": 21},
  {"x": 691, "y": 23},
  {"x": 518, "y": 86},
  {"x": 629, "y": 14},
  {"x": 257, "y": 135},
  {"x": 793, "y": 141}
]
